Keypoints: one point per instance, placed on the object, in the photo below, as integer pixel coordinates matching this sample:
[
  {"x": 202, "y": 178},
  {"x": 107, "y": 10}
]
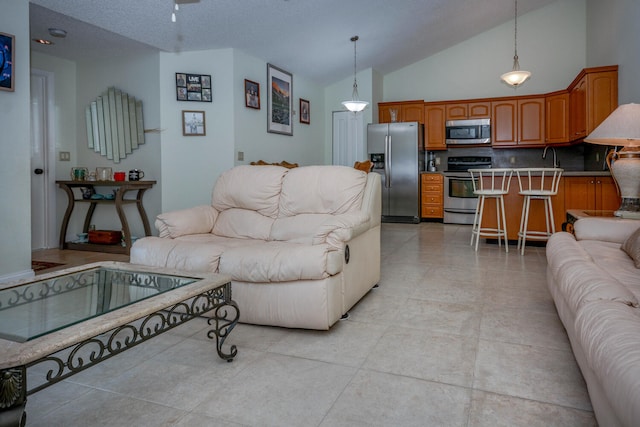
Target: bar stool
[
  {"x": 537, "y": 184},
  {"x": 490, "y": 184}
]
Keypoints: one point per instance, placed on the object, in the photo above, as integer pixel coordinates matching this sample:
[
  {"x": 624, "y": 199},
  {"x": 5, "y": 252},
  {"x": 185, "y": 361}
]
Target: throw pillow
[{"x": 632, "y": 247}]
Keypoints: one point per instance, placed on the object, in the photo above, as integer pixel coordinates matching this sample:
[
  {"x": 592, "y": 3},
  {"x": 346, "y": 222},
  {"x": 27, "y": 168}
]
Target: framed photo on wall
[
  {"x": 279, "y": 101},
  {"x": 7, "y": 44},
  {"x": 251, "y": 94},
  {"x": 305, "y": 112},
  {"x": 193, "y": 123},
  {"x": 193, "y": 87}
]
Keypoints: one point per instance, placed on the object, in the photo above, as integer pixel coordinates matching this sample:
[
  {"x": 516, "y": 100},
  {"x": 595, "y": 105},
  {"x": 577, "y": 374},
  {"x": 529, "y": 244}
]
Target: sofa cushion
[
  {"x": 608, "y": 334},
  {"x": 249, "y": 187},
  {"x": 298, "y": 228},
  {"x": 280, "y": 262},
  {"x": 632, "y": 247},
  {"x": 322, "y": 190},
  {"x": 175, "y": 253},
  {"x": 243, "y": 224}
]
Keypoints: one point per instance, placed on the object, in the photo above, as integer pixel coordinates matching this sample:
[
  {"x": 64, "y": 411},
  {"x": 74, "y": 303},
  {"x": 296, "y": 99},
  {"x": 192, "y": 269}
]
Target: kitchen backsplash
[{"x": 575, "y": 158}]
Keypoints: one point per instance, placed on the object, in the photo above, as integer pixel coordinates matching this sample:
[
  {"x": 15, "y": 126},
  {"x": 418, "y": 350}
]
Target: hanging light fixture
[
  {"x": 355, "y": 104},
  {"x": 516, "y": 76}
]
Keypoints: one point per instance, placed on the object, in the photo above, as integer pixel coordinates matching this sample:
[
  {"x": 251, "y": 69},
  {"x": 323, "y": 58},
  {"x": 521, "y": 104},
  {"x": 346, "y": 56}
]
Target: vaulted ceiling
[{"x": 307, "y": 37}]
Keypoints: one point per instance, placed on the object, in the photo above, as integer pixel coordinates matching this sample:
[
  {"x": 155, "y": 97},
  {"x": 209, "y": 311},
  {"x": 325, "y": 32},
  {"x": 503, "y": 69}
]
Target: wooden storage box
[{"x": 105, "y": 237}]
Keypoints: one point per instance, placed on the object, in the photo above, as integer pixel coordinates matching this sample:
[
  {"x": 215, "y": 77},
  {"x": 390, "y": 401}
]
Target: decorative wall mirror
[{"x": 115, "y": 125}]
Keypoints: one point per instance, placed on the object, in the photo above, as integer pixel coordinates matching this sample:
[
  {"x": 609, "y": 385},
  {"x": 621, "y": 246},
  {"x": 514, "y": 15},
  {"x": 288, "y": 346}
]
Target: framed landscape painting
[
  {"x": 279, "y": 101},
  {"x": 7, "y": 43}
]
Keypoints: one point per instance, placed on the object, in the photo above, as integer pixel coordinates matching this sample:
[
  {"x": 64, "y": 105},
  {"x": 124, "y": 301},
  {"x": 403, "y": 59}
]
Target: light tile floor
[{"x": 451, "y": 337}]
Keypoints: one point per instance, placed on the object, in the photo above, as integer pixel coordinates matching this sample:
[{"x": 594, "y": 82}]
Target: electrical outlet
[
  {"x": 240, "y": 156},
  {"x": 437, "y": 161},
  {"x": 64, "y": 156},
  {"x": 512, "y": 160}
]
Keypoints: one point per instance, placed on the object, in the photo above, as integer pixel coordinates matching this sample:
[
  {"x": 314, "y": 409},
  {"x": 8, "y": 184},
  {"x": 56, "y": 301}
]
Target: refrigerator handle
[{"x": 387, "y": 158}]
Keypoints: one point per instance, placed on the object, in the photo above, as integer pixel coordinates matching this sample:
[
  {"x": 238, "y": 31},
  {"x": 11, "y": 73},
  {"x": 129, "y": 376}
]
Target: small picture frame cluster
[
  {"x": 193, "y": 123},
  {"x": 193, "y": 87},
  {"x": 7, "y": 43}
]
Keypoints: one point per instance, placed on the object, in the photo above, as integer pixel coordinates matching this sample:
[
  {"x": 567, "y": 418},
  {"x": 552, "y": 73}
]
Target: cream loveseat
[
  {"x": 596, "y": 288},
  {"x": 301, "y": 245}
]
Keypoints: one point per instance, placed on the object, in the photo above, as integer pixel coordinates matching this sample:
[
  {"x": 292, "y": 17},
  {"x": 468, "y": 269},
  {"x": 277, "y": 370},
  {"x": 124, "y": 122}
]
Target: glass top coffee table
[{"x": 67, "y": 321}]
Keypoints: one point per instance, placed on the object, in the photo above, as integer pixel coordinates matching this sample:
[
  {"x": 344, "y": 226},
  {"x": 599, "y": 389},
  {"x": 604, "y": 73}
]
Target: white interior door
[
  {"x": 348, "y": 138},
  {"x": 43, "y": 218}
]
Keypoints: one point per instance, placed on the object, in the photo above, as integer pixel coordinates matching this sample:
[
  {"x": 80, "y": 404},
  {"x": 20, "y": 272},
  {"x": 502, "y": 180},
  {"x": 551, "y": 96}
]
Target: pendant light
[
  {"x": 355, "y": 104},
  {"x": 515, "y": 77}
]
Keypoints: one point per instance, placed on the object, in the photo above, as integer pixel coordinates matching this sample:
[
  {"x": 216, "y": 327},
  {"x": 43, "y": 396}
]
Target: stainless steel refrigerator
[{"x": 397, "y": 153}]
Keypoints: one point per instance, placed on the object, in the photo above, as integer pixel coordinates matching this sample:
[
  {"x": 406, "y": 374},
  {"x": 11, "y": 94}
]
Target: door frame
[{"x": 50, "y": 239}]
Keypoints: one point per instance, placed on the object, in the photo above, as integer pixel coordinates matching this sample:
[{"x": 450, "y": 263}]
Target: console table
[{"x": 118, "y": 201}]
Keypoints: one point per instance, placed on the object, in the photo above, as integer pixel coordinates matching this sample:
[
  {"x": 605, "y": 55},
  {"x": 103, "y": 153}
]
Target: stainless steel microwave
[{"x": 465, "y": 132}]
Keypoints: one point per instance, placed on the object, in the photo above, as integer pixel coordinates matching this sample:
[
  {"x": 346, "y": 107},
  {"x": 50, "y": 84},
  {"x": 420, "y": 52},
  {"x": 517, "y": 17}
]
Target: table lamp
[{"x": 622, "y": 129}]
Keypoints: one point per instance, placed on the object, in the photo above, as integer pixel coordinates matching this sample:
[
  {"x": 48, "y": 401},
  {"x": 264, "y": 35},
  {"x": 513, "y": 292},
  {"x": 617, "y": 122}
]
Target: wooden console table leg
[
  {"x": 67, "y": 214},
  {"x": 142, "y": 212},
  {"x": 123, "y": 219}
]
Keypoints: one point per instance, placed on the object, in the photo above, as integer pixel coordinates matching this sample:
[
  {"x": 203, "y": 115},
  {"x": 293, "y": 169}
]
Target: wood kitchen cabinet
[
  {"x": 434, "y": 133},
  {"x": 591, "y": 193},
  {"x": 407, "y": 111},
  {"x": 557, "y": 118},
  {"x": 468, "y": 110},
  {"x": 593, "y": 95},
  {"x": 518, "y": 122},
  {"x": 432, "y": 187}
]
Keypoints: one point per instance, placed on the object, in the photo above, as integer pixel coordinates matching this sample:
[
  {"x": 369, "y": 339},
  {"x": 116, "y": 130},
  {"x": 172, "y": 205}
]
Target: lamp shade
[
  {"x": 355, "y": 105},
  {"x": 622, "y": 128},
  {"x": 515, "y": 77}
]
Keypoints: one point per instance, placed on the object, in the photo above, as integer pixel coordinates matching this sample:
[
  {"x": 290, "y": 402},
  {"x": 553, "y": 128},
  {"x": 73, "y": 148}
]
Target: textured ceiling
[{"x": 306, "y": 37}]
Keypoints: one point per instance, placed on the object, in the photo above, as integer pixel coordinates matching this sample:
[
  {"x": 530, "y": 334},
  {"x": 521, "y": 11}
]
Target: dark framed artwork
[
  {"x": 251, "y": 94},
  {"x": 193, "y": 123},
  {"x": 7, "y": 45},
  {"x": 279, "y": 101},
  {"x": 305, "y": 112},
  {"x": 193, "y": 87}
]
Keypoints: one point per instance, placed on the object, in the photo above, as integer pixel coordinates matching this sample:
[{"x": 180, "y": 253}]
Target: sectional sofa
[
  {"x": 302, "y": 245},
  {"x": 594, "y": 278}
]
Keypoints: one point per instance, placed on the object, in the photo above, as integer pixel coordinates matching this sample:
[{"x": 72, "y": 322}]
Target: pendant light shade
[
  {"x": 516, "y": 76},
  {"x": 355, "y": 104}
]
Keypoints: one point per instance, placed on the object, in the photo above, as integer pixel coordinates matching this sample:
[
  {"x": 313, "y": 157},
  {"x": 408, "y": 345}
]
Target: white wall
[
  {"x": 15, "y": 169},
  {"x": 551, "y": 44},
  {"x": 341, "y": 91},
  {"x": 191, "y": 164},
  {"x": 613, "y": 37},
  {"x": 251, "y": 137},
  {"x": 137, "y": 76}
]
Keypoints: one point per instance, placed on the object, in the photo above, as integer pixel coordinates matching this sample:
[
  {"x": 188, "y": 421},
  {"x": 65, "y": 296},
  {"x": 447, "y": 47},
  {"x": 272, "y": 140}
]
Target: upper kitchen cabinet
[
  {"x": 405, "y": 111},
  {"x": 468, "y": 110},
  {"x": 434, "y": 118},
  {"x": 557, "y": 118},
  {"x": 593, "y": 95},
  {"x": 518, "y": 122}
]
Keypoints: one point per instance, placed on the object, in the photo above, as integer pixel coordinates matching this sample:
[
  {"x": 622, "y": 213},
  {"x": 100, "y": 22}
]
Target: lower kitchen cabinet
[
  {"x": 432, "y": 186},
  {"x": 591, "y": 192}
]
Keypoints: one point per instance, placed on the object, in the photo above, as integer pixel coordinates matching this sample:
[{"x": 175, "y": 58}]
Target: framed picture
[
  {"x": 193, "y": 87},
  {"x": 305, "y": 113},
  {"x": 7, "y": 43},
  {"x": 193, "y": 123},
  {"x": 251, "y": 94},
  {"x": 279, "y": 101}
]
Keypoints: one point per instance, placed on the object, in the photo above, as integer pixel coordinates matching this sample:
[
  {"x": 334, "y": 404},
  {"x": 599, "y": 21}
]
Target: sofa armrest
[
  {"x": 341, "y": 228},
  {"x": 196, "y": 220},
  {"x": 614, "y": 230}
]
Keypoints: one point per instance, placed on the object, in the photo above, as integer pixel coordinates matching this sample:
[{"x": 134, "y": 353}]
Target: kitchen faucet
[{"x": 556, "y": 163}]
